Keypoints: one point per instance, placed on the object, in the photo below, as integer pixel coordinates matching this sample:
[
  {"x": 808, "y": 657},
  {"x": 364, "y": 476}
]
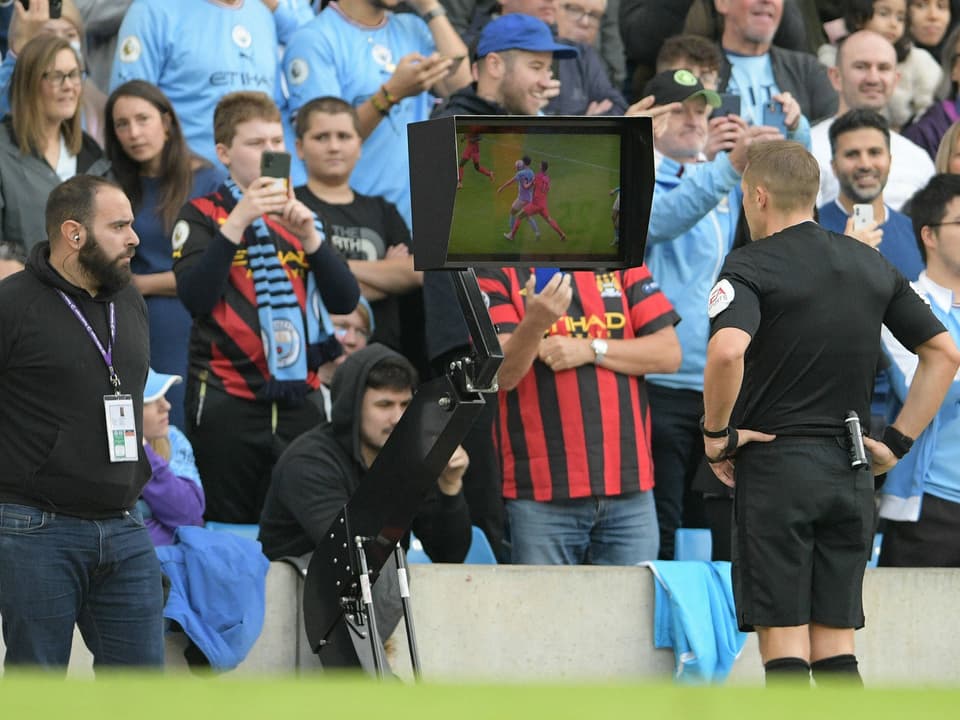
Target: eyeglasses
[
  {"x": 341, "y": 330},
  {"x": 59, "y": 79},
  {"x": 946, "y": 222},
  {"x": 578, "y": 13}
]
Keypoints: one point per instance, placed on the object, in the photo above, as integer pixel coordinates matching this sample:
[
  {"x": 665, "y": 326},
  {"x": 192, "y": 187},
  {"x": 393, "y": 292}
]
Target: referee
[{"x": 795, "y": 339}]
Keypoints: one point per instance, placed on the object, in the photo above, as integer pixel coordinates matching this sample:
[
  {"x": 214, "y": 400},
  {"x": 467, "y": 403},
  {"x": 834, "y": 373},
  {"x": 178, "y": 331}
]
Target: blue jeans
[
  {"x": 618, "y": 530},
  {"x": 58, "y": 571}
]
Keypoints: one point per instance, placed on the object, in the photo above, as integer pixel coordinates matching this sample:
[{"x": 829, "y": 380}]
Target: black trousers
[
  {"x": 932, "y": 541},
  {"x": 236, "y": 447},
  {"x": 677, "y": 453}
]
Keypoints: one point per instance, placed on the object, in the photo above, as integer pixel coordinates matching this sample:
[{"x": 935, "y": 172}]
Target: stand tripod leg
[
  {"x": 407, "y": 610},
  {"x": 367, "y": 597}
]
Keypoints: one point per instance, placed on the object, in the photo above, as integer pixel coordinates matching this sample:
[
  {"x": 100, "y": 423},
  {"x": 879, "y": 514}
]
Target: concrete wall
[{"x": 556, "y": 624}]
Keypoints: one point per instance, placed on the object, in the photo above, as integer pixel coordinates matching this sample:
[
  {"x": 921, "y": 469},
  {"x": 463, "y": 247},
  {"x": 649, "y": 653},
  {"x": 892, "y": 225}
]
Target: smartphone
[
  {"x": 56, "y": 7},
  {"x": 773, "y": 116},
  {"x": 729, "y": 105},
  {"x": 543, "y": 277},
  {"x": 276, "y": 165},
  {"x": 862, "y": 215}
]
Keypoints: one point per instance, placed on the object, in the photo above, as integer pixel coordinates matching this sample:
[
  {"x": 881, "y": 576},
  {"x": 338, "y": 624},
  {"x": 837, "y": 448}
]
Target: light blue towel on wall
[{"x": 694, "y": 614}]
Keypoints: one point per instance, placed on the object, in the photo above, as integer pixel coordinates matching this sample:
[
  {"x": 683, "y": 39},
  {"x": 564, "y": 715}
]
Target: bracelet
[
  {"x": 379, "y": 106},
  {"x": 435, "y": 13},
  {"x": 898, "y": 443},
  {"x": 714, "y": 434},
  {"x": 386, "y": 94}
]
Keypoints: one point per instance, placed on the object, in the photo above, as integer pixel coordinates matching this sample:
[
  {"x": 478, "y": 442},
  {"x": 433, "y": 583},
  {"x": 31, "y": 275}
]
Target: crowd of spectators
[{"x": 257, "y": 291}]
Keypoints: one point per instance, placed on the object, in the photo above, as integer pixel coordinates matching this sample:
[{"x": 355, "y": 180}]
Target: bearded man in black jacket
[{"x": 74, "y": 352}]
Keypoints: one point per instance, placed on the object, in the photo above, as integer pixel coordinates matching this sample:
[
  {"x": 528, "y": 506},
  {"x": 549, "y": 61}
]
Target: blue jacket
[
  {"x": 931, "y": 466},
  {"x": 217, "y": 594},
  {"x": 692, "y": 225}
]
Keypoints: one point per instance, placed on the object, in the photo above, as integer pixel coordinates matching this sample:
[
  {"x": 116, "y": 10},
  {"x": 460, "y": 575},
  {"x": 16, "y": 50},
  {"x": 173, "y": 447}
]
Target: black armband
[
  {"x": 714, "y": 434},
  {"x": 733, "y": 441},
  {"x": 898, "y": 443}
]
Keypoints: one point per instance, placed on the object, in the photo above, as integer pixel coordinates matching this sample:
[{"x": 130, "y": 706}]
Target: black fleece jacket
[
  {"x": 321, "y": 469},
  {"x": 53, "y": 442}
]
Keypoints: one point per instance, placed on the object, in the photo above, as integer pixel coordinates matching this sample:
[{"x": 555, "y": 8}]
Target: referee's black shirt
[{"x": 813, "y": 302}]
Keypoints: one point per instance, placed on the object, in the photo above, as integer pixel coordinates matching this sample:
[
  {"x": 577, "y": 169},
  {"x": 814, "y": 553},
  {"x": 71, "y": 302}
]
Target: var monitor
[{"x": 495, "y": 191}]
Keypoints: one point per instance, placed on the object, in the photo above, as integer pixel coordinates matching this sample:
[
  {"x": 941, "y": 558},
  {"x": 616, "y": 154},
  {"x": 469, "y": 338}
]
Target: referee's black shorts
[{"x": 803, "y": 531}]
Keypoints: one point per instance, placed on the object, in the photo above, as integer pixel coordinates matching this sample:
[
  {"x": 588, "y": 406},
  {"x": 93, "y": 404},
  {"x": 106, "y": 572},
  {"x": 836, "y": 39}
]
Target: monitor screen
[
  {"x": 525, "y": 194},
  {"x": 535, "y": 191}
]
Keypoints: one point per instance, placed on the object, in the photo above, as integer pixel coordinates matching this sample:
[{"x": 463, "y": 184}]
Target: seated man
[
  {"x": 321, "y": 469},
  {"x": 252, "y": 267}
]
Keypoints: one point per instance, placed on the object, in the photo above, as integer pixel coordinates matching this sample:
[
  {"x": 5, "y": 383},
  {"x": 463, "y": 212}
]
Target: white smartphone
[{"x": 862, "y": 215}]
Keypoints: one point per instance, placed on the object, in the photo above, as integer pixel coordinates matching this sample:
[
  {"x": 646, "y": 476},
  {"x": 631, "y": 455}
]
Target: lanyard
[{"x": 105, "y": 353}]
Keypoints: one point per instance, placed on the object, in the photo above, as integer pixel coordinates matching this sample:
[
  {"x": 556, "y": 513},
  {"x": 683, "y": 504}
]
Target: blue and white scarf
[{"x": 294, "y": 338}]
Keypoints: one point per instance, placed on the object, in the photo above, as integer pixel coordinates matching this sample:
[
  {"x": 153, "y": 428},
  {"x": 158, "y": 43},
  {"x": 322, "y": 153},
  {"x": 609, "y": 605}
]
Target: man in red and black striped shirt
[{"x": 573, "y": 426}]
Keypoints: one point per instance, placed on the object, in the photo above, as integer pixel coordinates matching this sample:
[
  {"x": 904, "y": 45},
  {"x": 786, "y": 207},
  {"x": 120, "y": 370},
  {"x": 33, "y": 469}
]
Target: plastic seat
[
  {"x": 693, "y": 544},
  {"x": 248, "y": 531},
  {"x": 480, "y": 552},
  {"x": 875, "y": 551},
  {"x": 416, "y": 553}
]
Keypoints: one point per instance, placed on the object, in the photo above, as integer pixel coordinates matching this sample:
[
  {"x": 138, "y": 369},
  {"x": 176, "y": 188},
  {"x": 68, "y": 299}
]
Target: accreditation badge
[{"x": 121, "y": 428}]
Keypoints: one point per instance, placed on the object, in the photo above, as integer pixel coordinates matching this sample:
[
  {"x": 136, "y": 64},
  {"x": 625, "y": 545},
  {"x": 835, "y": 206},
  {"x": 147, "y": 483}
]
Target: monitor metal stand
[{"x": 338, "y": 612}]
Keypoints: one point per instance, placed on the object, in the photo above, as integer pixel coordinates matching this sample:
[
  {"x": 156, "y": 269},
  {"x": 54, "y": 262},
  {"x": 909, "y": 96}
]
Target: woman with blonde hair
[
  {"x": 41, "y": 141},
  {"x": 26, "y": 25},
  {"x": 947, "y": 159}
]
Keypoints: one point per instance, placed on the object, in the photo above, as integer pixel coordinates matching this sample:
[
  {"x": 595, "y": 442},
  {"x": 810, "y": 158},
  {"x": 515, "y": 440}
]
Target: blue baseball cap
[
  {"x": 158, "y": 384},
  {"x": 517, "y": 31}
]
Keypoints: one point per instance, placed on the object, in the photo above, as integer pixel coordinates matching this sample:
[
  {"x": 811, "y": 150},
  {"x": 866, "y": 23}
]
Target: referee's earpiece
[{"x": 76, "y": 238}]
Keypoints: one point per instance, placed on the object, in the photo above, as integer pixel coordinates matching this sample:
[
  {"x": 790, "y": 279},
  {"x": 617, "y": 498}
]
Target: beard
[
  {"x": 110, "y": 275},
  {"x": 858, "y": 195},
  {"x": 516, "y": 100}
]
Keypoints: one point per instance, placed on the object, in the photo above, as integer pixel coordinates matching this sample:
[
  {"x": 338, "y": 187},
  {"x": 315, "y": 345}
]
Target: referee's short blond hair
[{"x": 787, "y": 171}]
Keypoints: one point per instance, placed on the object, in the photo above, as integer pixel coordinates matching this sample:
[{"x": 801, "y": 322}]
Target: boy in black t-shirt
[{"x": 367, "y": 230}]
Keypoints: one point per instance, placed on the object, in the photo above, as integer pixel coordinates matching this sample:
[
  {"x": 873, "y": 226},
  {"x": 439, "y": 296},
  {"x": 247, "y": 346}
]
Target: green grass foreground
[{"x": 184, "y": 697}]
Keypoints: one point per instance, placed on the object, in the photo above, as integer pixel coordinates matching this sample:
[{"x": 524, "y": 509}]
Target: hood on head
[{"x": 346, "y": 394}]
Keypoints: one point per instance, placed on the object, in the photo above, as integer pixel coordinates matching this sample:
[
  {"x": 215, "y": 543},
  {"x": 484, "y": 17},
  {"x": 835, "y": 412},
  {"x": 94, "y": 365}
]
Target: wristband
[
  {"x": 379, "y": 106},
  {"x": 387, "y": 96},
  {"x": 435, "y": 13},
  {"x": 898, "y": 443},
  {"x": 733, "y": 441},
  {"x": 714, "y": 434}
]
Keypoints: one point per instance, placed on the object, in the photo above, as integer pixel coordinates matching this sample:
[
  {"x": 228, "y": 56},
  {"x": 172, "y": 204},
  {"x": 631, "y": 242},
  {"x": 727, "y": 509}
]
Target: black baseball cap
[{"x": 677, "y": 86}]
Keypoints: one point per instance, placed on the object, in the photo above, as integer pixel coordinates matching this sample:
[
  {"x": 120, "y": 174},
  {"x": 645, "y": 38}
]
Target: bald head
[{"x": 866, "y": 72}]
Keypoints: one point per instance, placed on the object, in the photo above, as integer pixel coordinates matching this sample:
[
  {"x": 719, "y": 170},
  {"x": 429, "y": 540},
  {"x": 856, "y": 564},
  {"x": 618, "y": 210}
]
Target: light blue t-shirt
[
  {"x": 332, "y": 55},
  {"x": 197, "y": 52},
  {"x": 751, "y": 77}
]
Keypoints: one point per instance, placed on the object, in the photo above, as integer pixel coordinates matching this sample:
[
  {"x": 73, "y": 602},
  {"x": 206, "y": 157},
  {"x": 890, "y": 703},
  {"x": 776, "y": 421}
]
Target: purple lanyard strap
[{"x": 105, "y": 353}]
